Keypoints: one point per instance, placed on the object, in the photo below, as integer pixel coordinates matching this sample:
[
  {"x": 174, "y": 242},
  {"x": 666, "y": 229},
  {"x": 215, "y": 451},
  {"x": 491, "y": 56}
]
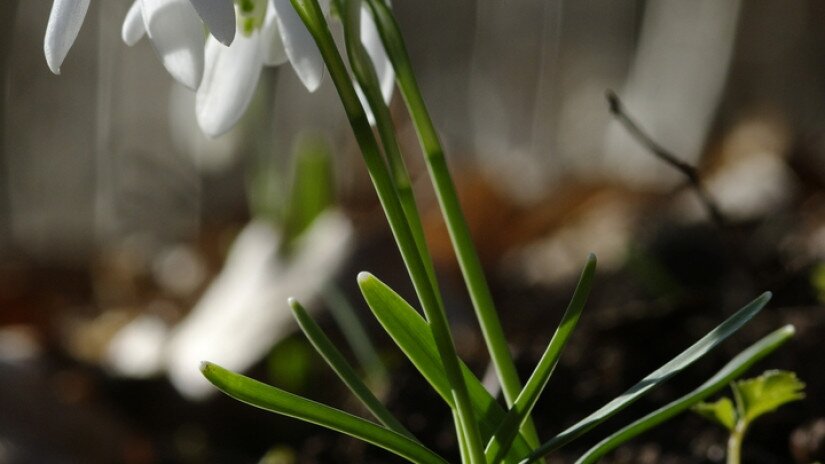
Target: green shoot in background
[{"x": 752, "y": 398}]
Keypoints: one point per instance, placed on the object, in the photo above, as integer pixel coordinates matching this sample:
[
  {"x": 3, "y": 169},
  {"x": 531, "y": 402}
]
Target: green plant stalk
[
  {"x": 367, "y": 78},
  {"x": 461, "y": 438},
  {"x": 731, "y": 371},
  {"x": 311, "y": 15},
  {"x": 451, "y": 208},
  {"x": 364, "y": 72},
  {"x": 345, "y": 372},
  {"x": 737, "y": 436},
  {"x": 273, "y": 399}
]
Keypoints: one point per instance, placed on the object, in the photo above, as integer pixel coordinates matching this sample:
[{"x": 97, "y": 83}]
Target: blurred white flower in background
[{"x": 243, "y": 312}]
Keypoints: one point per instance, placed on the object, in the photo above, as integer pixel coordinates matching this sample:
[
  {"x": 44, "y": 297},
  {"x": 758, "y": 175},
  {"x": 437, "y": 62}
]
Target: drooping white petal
[
  {"x": 65, "y": 20},
  {"x": 299, "y": 45},
  {"x": 176, "y": 33},
  {"x": 272, "y": 45},
  {"x": 219, "y": 17},
  {"x": 133, "y": 26},
  {"x": 375, "y": 48},
  {"x": 229, "y": 82}
]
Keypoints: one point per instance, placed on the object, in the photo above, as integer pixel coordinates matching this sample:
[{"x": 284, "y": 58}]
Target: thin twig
[{"x": 690, "y": 172}]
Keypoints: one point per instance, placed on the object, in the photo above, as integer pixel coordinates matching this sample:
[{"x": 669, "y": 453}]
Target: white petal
[
  {"x": 229, "y": 82},
  {"x": 177, "y": 35},
  {"x": 219, "y": 16},
  {"x": 271, "y": 43},
  {"x": 65, "y": 20},
  {"x": 133, "y": 27},
  {"x": 300, "y": 46},
  {"x": 375, "y": 48}
]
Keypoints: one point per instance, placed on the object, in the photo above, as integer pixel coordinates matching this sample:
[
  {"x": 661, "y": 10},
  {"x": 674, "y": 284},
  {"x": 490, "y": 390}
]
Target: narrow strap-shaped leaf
[
  {"x": 412, "y": 334},
  {"x": 278, "y": 401},
  {"x": 668, "y": 370},
  {"x": 339, "y": 364},
  {"x": 526, "y": 400},
  {"x": 732, "y": 370}
]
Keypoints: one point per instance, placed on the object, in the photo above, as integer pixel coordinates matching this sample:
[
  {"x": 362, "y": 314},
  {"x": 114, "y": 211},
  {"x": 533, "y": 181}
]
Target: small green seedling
[{"x": 751, "y": 399}]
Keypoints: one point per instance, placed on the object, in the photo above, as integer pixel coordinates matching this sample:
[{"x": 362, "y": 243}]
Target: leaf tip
[
  {"x": 364, "y": 277},
  {"x": 205, "y": 367},
  {"x": 789, "y": 330}
]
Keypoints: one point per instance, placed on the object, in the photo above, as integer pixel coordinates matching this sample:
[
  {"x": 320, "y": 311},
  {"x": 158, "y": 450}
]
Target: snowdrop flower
[
  {"x": 176, "y": 32},
  {"x": 67, "y": 17},
  {"x": 270, "y": 34}
]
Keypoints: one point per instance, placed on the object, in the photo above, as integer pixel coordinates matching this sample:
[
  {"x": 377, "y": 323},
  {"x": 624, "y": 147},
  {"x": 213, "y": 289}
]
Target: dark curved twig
[{"x": 690, "y": 172}]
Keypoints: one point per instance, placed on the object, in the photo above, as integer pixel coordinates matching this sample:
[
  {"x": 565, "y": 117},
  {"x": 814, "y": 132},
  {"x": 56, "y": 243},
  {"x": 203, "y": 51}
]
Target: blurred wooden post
[{"x": 7, "y": 21}]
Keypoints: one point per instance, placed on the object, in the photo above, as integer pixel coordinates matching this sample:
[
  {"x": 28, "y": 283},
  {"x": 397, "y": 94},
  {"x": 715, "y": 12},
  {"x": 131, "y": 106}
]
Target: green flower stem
[
  {"x": 460, "y": 437},
  {"x": 737, "y": 436},
  {"x": 310, "y": 13},
  {"x": 364, "y": 71},
  {"x": 448, "y": 199}
]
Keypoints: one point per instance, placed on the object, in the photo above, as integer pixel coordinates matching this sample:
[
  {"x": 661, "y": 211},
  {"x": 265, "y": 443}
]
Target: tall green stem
[
  {"x": 310, "y": 13},
  {"x": 737, "y": 436},
  {"x": 450, "y": 205},
  {"x": 364, "y": 72}
]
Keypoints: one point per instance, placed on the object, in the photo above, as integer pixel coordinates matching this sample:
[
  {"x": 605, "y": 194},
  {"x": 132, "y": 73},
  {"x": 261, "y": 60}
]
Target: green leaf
[
  {"x": 272, "y": 399},
  {"x": 526, "y": 400},
  {"x": 668, "y": 370},
  {"x": 763, "y": 394},
  {"x": 733, "y": 369},
  {"x": 339, "y": 364},
  {"x": 721, "y": 411},
  {"x": 412, "y": 334}
]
